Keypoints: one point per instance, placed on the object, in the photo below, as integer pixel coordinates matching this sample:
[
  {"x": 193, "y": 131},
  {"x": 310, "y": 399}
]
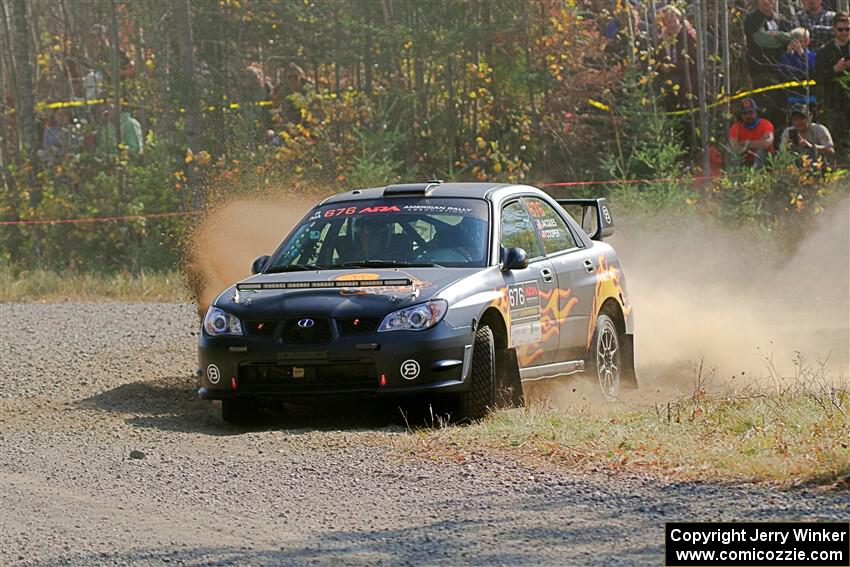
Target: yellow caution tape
[
  {"x": 598, "y": 104},
  {"x": 724, "y": 100},
  {"x": 42, "y": 106},
  {"x": 68, "y": 104}
]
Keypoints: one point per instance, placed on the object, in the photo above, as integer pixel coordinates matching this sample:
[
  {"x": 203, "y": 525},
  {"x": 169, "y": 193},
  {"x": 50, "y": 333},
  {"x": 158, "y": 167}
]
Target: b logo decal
[{"x": 409, "y": 369}]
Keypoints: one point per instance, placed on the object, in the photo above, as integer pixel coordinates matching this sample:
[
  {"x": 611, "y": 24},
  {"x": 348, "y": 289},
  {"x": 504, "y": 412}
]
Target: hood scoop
[{"x": 396, "y": 282}]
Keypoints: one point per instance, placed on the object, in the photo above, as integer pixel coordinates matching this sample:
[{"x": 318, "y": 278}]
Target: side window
[
  {"x": 517, "y": 230},
  {"x": 552, "y": 229}
]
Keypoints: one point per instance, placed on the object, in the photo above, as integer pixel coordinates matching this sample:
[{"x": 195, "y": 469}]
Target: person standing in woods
[
  {"x": 131, "y": 133},
  {"x": 99, "y": 50},
  {"x": 798, "y": 64},
  {"x": 678, "y": 57},
  {"x": 818, "y": 21},
  {"x": 832, "y": 72},
  {"x": 768, "y": 35},
  {"x": 58, "y": 138},
  {"x": 285, "y": 110},
  {"x": 253, "y": 89}
]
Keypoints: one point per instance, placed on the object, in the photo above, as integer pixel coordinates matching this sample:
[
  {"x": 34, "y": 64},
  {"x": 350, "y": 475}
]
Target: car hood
[{"x": 337, "y": 293}]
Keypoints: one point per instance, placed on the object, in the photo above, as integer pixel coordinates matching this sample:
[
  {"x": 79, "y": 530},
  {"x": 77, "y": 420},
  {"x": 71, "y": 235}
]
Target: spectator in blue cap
[{"x": 751, "y": 137}]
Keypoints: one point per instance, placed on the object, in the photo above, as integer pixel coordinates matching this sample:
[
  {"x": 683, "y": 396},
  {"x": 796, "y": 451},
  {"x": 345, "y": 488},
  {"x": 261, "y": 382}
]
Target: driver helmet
[{"x": 371, "y": 236}]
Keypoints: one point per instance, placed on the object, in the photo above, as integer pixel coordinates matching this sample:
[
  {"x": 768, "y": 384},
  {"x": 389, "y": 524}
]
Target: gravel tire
[
  {"x": 481, "y": 397},
  {"x": 604, "y": 364},
  {"x": 240, "y": 411}
]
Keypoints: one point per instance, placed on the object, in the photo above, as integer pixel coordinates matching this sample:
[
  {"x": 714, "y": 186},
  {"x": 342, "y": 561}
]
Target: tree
[
  {"x": 24, "y": 93},
  {"x": 188, "y": 95}
]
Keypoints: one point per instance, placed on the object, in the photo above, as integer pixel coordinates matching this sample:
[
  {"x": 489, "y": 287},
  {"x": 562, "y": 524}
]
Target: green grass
[
  {"x": 798, "y": 435},
  {"x": 47, "y": 286}
]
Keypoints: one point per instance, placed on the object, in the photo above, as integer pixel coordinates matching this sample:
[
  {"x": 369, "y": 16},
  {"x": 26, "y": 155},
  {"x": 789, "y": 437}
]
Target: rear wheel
[
  {"x": 605, "y": 357},
  {"x": 481, "y": 397},
  {"x": 240, "y": 411}
]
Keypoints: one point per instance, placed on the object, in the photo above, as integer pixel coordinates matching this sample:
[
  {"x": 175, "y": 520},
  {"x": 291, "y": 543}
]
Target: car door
[
  {"x": 534, "y": 333},
  {"x": 576, "y": 275}
]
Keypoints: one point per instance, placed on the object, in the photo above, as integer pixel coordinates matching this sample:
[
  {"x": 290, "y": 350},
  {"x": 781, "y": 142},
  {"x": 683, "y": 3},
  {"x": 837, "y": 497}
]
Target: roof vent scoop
[{"x": 423, "y": 189}]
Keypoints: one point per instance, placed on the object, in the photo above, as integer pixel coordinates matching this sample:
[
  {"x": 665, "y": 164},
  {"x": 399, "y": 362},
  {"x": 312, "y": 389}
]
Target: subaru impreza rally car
[{"x": 463, "y": 289}]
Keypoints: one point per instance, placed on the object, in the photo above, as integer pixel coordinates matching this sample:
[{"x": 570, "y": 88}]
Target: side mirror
[
  {"x": 258, "y": 264},
  {"x": 515, "y": 259}
]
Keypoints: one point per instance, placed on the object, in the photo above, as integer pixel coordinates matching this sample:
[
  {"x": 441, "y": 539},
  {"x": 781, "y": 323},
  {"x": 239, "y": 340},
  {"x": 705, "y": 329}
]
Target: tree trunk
[
  {"x": 25, "y": 103},
  {"x": 338, "y": 35},
  {"x": 140, "y": 70},
  {"x": 189, "y": 98},
  {"x": 5, "y": 156},
  {"x": 115, "y": 65},
  {"x": 367, "y": 51},
  {"x": 452, "y": 122}
]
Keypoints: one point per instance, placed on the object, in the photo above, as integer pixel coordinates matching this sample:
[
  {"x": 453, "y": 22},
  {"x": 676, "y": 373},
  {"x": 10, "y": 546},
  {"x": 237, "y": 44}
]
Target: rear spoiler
[{"x": 596, "y": 219}]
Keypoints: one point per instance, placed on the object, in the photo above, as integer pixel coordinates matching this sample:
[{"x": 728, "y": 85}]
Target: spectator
[
  {"x": 805, "y": 137},
  {"x": 832, "y": 73},
  {"x": 253, "y": 89},
  {"x": 767, "y": 35},
  {"x": 798, "y": 61},
  {"x": 100, "y": 54},
  {"x": 817, "y": 20},
  {"x": 131, "y": 133},
  {"x": 293, "y": 83},
  {"x": 100, "y": 49},
  {"x": 677, "y": 67},
  {"x": 57, "y": 139},
  {"x": 625, "y": 33},
  {"x": 751, "y": 137},
  {"x": 798, "y": 64},
  {"x": 273, "y": 139}
]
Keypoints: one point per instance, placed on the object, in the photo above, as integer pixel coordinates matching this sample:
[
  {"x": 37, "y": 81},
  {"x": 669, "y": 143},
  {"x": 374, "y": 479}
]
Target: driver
[{"x": 372, "y": 237}]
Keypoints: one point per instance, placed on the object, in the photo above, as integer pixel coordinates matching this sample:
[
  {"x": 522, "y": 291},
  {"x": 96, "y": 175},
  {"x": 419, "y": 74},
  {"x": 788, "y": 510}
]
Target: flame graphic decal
[
  {"x": 379, "y": 290},
  {"x": 607, "y": 286},
  {"x": 556, "y": 306}
]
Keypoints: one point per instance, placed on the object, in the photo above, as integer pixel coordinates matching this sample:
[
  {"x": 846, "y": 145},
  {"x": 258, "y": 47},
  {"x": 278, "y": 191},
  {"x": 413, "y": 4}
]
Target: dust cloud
[
  {"x": 235, "y": 232},
  {"x": 741, "y": 306}
]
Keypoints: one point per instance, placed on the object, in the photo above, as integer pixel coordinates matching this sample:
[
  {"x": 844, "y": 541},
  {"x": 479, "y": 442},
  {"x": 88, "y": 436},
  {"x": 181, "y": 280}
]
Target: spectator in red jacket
[{"x": 751, "y": 137}]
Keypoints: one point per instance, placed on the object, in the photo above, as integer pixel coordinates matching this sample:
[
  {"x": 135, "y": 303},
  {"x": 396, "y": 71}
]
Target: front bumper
[{"x": 389, "y": 363}]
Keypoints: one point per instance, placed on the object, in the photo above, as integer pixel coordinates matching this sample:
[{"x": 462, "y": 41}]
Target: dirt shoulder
[{"x": 85, "y": 385}]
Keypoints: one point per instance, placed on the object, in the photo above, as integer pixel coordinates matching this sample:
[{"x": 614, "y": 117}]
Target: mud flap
[
  {"x": 508, "y": 383},
  {"x": 628, "y": 378}
]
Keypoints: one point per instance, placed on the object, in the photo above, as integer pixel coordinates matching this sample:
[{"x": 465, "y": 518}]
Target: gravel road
[{"x": 84, "y": 385}]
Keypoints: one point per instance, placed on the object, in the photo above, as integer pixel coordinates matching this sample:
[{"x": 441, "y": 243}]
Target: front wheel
[
  {"x": 604, "y": 357},
  {"x": 481, "y": 397}
]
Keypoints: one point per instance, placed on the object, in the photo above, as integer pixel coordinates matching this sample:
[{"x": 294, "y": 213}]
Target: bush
[{"x": 89, "y": 185}]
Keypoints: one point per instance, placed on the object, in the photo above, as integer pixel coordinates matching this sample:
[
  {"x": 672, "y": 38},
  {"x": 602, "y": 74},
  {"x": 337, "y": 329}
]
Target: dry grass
[
  {"x": 47, "y": 286},
  {"x": 793, "y": 431}
]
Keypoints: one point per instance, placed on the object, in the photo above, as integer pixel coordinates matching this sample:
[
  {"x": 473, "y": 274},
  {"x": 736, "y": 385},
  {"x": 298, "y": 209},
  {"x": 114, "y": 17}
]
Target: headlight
[
  {"x": 217, "y": 322},
  {"x": 416, "y": 318}
]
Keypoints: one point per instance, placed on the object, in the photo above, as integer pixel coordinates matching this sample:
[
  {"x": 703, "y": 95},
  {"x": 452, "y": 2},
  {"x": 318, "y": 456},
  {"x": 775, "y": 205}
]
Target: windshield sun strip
[{"x": 325, "y": 284}]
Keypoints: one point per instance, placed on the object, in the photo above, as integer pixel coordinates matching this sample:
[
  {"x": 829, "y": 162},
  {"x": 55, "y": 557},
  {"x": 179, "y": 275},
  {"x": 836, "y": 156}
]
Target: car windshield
[{"x": 396, "y": 232}]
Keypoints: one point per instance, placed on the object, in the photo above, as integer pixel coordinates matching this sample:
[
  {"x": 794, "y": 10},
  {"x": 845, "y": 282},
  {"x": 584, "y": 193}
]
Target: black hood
[{"x": 337, "y": 293}]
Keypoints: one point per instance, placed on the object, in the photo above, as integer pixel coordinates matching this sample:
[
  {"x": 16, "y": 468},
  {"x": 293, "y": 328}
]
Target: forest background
[{"x": 254, "y": 97}]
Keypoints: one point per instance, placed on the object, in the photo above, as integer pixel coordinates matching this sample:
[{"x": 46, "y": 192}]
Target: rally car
[{"x": 460, "y": 289}]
